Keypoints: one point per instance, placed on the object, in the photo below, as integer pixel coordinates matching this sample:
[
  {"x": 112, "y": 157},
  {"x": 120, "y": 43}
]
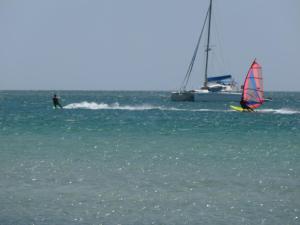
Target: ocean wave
[
  {"x": 117, "y": 106},
  {"x": 99, "y": 106},
  {"x": 276, "y": 111},
  {"x": 279, "y": 111}
]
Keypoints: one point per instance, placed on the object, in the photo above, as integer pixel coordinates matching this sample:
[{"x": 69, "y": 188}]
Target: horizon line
[{"x": 111, "y": 90}]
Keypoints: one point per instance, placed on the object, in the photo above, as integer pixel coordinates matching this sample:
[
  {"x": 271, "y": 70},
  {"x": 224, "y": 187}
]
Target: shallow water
[{"x": 138, "y": 158}]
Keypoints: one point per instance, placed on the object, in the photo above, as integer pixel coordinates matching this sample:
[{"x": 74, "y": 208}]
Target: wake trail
[
  {"x": 143, "y": 107},
  {"x": 286, "y": 111},
  {"x": 117, "y": 106}
]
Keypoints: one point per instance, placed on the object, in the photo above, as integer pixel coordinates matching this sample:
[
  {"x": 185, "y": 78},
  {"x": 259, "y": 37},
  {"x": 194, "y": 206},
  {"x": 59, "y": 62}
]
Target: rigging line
[
  {"x": 219, "y": 40},
  {"x": 190, "y": 68}
]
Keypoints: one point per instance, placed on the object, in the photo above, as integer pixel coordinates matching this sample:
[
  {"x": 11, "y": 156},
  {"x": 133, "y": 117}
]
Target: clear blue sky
[{"x": 143, "y": 44}]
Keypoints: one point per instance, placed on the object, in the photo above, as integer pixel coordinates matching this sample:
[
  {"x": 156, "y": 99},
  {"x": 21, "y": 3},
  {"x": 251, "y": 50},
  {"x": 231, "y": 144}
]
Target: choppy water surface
[{"x": 138, "y": 158}]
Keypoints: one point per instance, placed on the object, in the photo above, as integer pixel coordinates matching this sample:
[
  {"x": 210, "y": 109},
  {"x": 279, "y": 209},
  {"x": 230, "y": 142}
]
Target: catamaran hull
[
  {"x": 206, "y": 96},
  {"x": 182, "y": 96},
  {"x": 217, "y": 97}
]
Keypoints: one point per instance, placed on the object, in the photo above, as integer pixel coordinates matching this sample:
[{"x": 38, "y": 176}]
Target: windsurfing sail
[{"x": 253, "y": 91}]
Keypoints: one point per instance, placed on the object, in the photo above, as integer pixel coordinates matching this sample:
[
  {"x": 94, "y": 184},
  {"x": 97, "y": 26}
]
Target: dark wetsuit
[
  {"x": 245, "y": 106},
  {"x": 56, "y": 102}
]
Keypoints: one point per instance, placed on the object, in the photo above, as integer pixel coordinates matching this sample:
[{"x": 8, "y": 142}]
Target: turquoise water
[{"x": 138, "y": 158}]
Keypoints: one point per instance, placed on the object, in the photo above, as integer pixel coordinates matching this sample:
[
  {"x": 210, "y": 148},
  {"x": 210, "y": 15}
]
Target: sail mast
[{"x": 207, "y": 46}]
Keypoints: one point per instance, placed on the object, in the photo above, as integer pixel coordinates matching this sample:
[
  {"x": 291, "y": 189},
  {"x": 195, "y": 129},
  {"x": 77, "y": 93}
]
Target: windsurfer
[
  {"x": 56, "y": 103},
  {"x": 245, "y": 106}
]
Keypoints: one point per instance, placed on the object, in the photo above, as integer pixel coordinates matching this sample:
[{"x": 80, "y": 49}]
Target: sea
[{"x": 137, "y": 158}]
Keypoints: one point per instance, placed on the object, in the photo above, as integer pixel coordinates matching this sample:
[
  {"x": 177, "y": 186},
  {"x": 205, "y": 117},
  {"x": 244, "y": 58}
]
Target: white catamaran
[{"x": 218, "y": 88}]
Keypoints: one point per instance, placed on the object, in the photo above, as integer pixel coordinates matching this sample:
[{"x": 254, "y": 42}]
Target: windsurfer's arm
[
  {"x": 53, "y": 102},
  {"x": 58, "y": 103}
]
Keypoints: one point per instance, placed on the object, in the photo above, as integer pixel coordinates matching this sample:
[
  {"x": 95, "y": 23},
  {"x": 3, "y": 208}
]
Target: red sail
[{"x": 253, "y": 93}]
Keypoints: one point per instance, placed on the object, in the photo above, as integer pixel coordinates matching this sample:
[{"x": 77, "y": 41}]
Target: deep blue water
[{"x": 138, "y": 158}]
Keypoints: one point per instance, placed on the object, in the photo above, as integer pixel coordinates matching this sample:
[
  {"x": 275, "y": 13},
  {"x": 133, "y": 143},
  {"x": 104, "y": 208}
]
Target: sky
[{"x": 144, "y": 44}]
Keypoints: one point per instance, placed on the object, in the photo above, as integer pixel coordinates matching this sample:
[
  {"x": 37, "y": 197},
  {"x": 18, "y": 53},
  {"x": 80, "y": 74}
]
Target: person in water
[
  {"x": 245, "y": 106},
  {"x": 56, "y": 103}
]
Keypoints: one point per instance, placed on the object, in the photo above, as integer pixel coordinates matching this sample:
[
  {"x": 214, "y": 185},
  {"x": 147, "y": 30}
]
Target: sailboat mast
[{"x": 207, "y": 46}]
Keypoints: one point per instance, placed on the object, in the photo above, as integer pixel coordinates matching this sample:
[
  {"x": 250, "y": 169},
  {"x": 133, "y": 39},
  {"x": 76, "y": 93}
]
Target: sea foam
[
  {"x": 279, "y": 111},
  {"x": 117, "y": 106}
]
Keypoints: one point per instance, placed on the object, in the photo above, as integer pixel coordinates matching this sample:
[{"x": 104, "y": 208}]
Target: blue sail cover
[{"x": 218, "y": 78}]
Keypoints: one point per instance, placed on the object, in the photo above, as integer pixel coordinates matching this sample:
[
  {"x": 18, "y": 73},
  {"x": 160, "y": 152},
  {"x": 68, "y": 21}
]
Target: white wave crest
[
  {"x": 97, "y": 106},
  {"x": 279, "y": 111},
  {"x": 117, "y": 106}
]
